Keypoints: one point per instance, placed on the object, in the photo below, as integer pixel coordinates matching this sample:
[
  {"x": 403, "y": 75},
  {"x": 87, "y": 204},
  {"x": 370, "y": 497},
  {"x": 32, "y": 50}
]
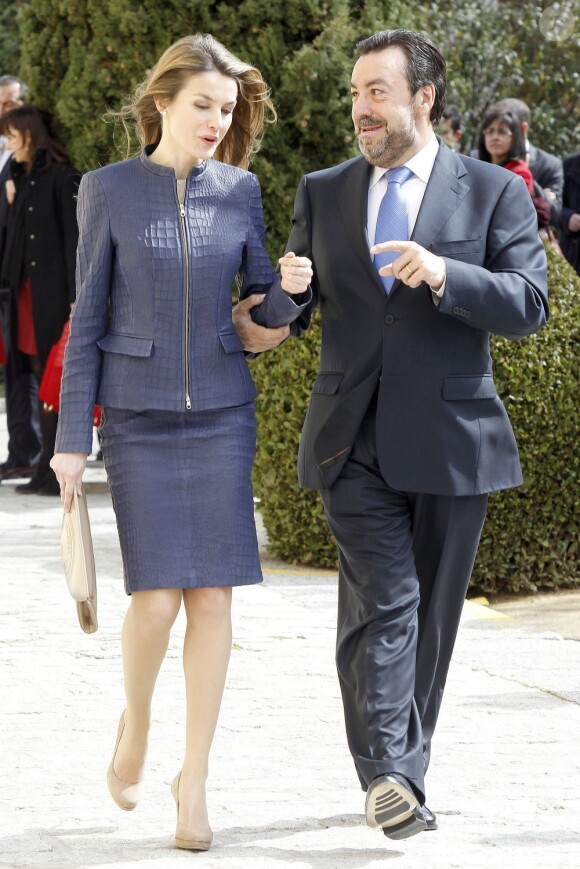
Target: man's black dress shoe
[
  {"x": 392, "y": 805},
  {"x": 430, "y": 819},
  {"x": 10, "y": 471}
]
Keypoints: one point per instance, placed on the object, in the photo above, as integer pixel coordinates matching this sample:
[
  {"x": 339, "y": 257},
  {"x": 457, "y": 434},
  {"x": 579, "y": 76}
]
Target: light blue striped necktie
[{"x": 393, "y": 220}]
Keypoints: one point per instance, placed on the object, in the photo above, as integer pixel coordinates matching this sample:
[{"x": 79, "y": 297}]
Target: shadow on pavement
[{"x": 97, "y": 846}]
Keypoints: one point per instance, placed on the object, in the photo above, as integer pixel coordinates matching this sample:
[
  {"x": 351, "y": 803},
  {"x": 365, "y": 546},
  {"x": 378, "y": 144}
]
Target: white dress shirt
[{"x": 412, "y": 191}]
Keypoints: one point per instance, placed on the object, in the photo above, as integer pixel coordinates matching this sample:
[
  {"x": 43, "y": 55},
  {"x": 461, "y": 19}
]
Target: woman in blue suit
[{"x": 162, "y": 238}]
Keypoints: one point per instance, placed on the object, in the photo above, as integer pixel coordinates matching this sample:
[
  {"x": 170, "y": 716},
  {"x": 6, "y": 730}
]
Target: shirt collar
[{"x": 421, "y": 164}]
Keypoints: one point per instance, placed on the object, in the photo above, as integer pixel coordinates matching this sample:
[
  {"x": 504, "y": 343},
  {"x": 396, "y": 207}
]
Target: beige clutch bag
[{"x": 76, "y": 547}]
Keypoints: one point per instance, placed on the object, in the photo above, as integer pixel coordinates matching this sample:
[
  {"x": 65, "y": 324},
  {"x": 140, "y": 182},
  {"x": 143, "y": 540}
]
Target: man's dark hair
[
  {"x": 425, "y": 64},
  {"x": 452, "y": 113},
  {"x": 515, "y": 107},
  {"x": 6, "y": 80}
]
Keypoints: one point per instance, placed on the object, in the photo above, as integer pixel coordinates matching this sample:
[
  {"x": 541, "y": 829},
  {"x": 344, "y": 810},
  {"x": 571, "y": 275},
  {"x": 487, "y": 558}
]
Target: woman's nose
[{"x": 216, "y": 120}]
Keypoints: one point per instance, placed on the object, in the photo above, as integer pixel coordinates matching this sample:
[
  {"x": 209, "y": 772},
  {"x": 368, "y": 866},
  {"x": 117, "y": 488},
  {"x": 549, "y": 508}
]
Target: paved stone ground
[{"x": 504, "y": 781}]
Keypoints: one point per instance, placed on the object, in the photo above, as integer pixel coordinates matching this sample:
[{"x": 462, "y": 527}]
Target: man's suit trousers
[{"x": 405, "y": 560}]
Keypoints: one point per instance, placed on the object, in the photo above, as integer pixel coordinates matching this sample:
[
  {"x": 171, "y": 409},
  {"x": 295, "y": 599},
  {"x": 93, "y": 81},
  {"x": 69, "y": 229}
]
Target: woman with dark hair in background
[
  {"x": 502, "y": 142},
  {"x": 39, "y": 256}
]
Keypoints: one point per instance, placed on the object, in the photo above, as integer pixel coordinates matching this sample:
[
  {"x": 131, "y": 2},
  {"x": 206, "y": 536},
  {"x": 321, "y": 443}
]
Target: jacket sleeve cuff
[{"x": 280, "y": 309}]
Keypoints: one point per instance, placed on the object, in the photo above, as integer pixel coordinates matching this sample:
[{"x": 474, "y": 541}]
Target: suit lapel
[
  {"x": 445, "y": 190},
  {"x": 352, "y": 190}
]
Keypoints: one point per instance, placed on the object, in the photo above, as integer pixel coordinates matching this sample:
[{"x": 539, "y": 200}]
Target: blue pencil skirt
[{"x": 182, "y": 496}]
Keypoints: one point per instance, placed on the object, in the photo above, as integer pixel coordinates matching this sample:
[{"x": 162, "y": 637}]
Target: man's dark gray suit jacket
[{"x": 441, "y": 427}]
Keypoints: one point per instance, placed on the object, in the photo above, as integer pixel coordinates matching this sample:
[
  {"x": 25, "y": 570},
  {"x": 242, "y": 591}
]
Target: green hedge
[
  {"x": 9, "y": 38},
  {"x": 531, "y": 535},
  {"x": 530, "y": 539}
]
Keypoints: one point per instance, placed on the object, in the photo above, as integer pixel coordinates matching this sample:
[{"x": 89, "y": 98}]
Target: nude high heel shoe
[
  {"x": 126, "y": 795},
  {"x": 188, "y": 838}
]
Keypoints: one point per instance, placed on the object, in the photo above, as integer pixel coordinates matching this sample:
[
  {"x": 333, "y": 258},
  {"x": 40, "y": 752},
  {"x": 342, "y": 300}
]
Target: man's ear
[{"x": 425, "y": 98}]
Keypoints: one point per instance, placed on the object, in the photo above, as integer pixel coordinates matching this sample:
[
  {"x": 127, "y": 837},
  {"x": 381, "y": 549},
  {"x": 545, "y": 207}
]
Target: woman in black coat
[{"x": 39, "y": 256}]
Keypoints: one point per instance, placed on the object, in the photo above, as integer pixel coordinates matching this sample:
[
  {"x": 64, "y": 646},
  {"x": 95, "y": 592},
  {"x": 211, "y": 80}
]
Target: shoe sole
[
  {"x": 192, "y": 845},
  {"x": 413, "y": 825},
  {"x": 395, "y": 809}
]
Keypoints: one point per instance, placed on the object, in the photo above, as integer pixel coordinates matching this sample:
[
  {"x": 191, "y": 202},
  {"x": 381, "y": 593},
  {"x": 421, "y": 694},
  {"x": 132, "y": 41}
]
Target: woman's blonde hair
[{"x": 190, "y": 56}]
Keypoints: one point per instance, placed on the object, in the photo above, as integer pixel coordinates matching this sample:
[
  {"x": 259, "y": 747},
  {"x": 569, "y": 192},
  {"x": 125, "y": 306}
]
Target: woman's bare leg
[
  {"x": 206, "y": 654},
  {"x": 145, "y": 637}
]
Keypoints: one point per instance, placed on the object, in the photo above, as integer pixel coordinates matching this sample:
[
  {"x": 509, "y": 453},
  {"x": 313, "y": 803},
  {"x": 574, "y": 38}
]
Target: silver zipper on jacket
[{"x": 181, "y": 201}]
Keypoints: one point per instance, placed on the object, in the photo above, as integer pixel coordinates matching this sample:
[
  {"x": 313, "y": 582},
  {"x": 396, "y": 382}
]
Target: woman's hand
[
  {"x": 69, "y": 469},
  {"x": 296, "y": 272},
  {"x": 256, "y": 339}
]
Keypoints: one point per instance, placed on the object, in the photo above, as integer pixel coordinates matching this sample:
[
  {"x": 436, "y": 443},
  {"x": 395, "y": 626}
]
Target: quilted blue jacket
[{"x": 152, "y": 324}]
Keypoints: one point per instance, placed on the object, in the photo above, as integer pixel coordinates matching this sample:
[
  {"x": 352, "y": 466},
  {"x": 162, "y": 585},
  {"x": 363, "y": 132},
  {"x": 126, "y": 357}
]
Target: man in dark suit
[
  {"x": 405, "y": 434},
  {"x": 20, "y": 384}
]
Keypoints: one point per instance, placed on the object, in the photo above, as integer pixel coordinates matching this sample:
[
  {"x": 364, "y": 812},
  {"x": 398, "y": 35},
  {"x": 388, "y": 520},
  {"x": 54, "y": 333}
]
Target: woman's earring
[{"x": 163, "y": 112}]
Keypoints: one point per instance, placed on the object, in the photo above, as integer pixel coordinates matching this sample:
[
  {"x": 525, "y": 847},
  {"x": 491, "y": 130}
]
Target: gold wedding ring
[{"x": 409, "y": 269}]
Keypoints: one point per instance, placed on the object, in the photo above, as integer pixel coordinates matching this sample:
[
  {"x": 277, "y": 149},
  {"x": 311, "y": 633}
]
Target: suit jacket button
[{"x": 389, "y": 319}]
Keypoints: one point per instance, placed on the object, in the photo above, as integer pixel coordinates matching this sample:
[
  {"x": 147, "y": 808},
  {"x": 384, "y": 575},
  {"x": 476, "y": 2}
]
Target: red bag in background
[
  {"x": 2, "y": 351},
  {"x": 49, "y": 389}
]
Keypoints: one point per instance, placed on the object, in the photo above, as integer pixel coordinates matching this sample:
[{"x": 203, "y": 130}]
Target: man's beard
[{"x": 387, "y": 150}]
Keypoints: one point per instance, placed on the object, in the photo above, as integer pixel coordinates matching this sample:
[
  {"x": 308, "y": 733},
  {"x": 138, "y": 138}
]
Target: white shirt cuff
[{"x": 437, "y": 295}]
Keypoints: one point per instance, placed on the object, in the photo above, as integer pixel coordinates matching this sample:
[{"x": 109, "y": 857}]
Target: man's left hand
[
  {"x": 295, "y": 273},
  {"x": 415, "y": 264}
]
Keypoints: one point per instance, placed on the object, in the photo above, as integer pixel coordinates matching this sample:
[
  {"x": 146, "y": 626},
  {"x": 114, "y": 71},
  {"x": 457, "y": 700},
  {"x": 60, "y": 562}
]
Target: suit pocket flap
[
  {"x": 327, "y": 383},
  {"x": 231, "y": 342},
  {"x": 130, "y": 345},
  {"x": 465, "y": 387},
  {"x": 455, "y": 247}
]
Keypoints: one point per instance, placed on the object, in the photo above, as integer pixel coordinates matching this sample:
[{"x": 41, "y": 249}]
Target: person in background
[
  {"x": 501, "y": 142},
  {"x": 163, "y": 237},
  {"x": 20, "y": 384},
  {"x": 449, "y": 127},
  {"x": 38, "y": 264},
  {"x": 546, "y": 168},
  {"x": 570, "y": 217}
]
